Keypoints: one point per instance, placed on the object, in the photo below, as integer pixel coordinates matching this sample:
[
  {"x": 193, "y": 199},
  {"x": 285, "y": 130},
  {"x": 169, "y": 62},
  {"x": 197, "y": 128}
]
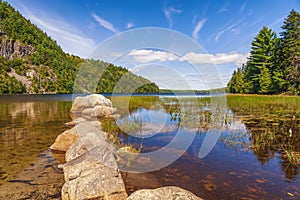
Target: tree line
[{"x": 274, "y": 63}]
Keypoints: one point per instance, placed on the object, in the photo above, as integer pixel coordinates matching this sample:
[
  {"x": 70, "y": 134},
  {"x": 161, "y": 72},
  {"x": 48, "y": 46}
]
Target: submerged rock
[
  {"x": 90, "y": 101},
  {"x": 163, "y": 193}
]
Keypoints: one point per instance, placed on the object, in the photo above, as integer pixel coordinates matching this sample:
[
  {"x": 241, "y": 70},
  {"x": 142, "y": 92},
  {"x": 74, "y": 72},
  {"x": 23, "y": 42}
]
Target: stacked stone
[{"x": 91, "y": 170}]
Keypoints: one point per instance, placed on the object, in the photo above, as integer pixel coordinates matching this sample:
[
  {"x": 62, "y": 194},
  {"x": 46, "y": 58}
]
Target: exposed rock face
[
  {"x": 87, "y": 178},
  {"x": 81, "y": 103},
  {"x": 64, "y": 141},
  {"x": 163, "y": 193},
  {"x": 11, "y": 49}
]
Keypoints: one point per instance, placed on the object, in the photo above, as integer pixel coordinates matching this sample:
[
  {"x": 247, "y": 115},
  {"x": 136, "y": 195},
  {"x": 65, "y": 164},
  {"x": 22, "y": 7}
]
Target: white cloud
[
  {"x": 197, "y": 28},
  {"x": 220, "y": 58},
  {"x": 169, "y": 12},
  {"x": 145, "y": 56},
  {"x": 105, "y": 24},
  {"x": 68, "y": 37},
  {"x": 129, "y": 25}
]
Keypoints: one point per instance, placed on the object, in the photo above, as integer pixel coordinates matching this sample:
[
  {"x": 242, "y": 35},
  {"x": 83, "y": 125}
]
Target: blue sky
[{"x": 224, "y": 28}]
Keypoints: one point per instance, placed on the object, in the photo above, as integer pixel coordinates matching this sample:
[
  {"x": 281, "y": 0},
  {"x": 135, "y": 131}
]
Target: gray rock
[
  {"x": 102, "y": 111},
  {"x": 11, "y": 49},
  {"x": 87, "y": 111},
  {"x": 76, "y": 121},
  {"x": 163, "y": 193},
  {"x": 90, "y": 101},
  {"x": 95, "y": 145},
  {"x": 87, "y": 178}
]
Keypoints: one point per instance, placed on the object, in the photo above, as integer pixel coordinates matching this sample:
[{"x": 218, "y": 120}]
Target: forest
[
  {"x": 273, "y": 66},
  {"x": 48, "y": 69}
]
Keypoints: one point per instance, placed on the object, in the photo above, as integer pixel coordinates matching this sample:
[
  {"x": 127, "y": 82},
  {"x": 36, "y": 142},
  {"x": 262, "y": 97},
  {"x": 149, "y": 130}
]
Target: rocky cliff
[{"x": 12, "y": 49}]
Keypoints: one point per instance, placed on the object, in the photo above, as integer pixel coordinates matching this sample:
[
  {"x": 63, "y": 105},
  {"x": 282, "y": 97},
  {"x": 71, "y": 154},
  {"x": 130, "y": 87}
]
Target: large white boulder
[{"x": 90, "y": 101}]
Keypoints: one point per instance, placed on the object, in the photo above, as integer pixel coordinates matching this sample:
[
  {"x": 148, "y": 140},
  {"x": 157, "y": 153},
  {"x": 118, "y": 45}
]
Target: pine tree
[
  {"x": 236, "y": 84},
  {"x": 265, "y": 81},
  {"x": 279, "y": 82},
  {"x": 291, "y": 51},
  {"x": 262, "y": 56}
]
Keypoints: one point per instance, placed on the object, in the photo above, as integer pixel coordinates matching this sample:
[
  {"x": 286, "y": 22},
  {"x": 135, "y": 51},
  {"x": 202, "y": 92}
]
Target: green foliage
[
  {"x": 291, "y": 51},
  {"x": 265, "y": 81},
  {"x": 54, "y": 70},
  {"x": 274, "y": 64},
  {"x": 236, "y": 84},
  {"x": 10, "y": 85},
  {"x": 110, "y": 79}
]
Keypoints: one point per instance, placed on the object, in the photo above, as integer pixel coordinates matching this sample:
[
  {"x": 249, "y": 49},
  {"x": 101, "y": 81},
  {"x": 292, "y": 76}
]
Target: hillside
[{"x": 31, "y": 62}]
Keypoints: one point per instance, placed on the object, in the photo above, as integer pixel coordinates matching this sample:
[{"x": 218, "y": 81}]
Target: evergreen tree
[
  {"x": 262, "y": 56},
  {"x": 236, "y": 84},
  {"x": 265, "y": 81},
  {"x": 291, "y": 51},
  {"x": 279, "y": 82}
]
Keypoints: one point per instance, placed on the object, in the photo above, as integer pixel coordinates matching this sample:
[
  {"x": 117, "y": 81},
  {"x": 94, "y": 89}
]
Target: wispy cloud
[
  {"x": 228, "y": 28},
  {"x": 169, "y": 12},
  {"x": 129, "y": 25},
  {"x": 280, "y": 20},
  {"x": 198, "y": 27},
  {"x": 243, "y": 7},
  {"x": 104, "y": 23},
  {"x": 223, "y": 8},
  {"x": 68, "y": 37}
]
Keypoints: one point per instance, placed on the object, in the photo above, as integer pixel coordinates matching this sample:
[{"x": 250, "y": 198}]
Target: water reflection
[
  {"x": 263, "y": 129},
  {"x": 267, "y": 126},
  {"x": 27, "y": 129}
]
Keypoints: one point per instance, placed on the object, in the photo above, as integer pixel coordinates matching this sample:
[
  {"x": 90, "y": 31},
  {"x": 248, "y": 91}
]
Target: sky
[{"x": 223, "y": 30}]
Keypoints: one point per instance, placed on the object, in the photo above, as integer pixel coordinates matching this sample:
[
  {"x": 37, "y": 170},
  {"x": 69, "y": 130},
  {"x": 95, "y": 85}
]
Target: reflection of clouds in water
[
  {"x": 237, "y": 125},
  {"x": 151, "y": 129},
  {"x": 146, "y": 123}
]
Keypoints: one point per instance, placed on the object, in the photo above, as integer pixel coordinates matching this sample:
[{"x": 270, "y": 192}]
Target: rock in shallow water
[
  {"x": 76, "y": 121},
  {"x": 65, "y": 140},
  {"x": 163, "y": 193},
  {"x": 87, "y": 178},
  {"x": 90, "y": 101}
]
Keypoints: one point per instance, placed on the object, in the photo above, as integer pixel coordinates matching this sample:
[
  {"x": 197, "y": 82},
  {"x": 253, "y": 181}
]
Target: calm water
[
  {"x": 28, "y": 126},
  {"x": 256, "y": 155}
]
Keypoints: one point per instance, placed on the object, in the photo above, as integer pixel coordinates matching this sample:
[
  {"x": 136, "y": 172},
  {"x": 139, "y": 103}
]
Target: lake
[{"x": 234, "y": 147}]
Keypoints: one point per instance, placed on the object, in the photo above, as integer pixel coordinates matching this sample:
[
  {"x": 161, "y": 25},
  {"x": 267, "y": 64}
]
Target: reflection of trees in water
[
  {"x": 273, "y": 123},
  {"x": 27, "y": 129}
]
